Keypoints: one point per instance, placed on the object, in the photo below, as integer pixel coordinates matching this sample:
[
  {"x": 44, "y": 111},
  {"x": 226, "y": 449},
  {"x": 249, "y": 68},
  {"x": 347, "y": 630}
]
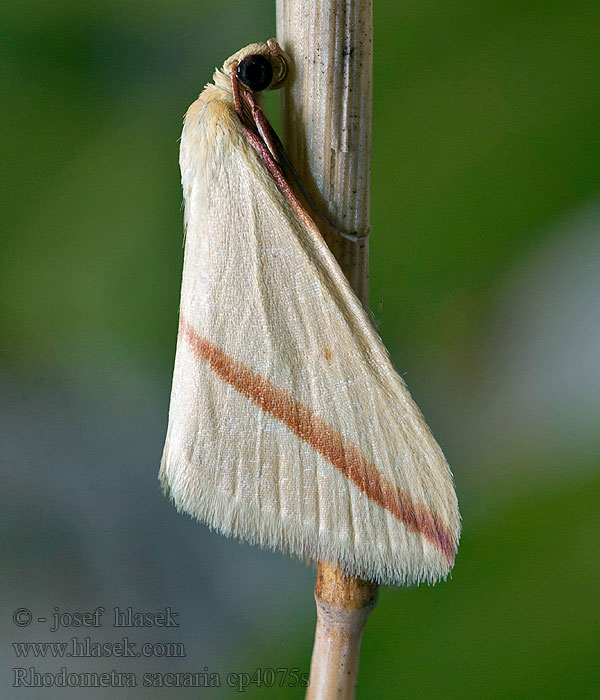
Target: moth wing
[{"x": 288, "y": 425}]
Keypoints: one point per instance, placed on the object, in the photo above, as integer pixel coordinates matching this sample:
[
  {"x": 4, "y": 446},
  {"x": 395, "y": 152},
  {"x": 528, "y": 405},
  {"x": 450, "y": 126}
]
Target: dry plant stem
[
  {"x": 343, "y": 606},
  {"x": 326, "y": 109}
]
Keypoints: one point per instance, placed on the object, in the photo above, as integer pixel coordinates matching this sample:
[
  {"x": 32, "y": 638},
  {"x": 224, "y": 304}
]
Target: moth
[{"x": 288, "y": 425}]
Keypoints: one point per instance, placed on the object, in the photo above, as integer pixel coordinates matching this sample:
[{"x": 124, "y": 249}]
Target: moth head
[{"x": 262, "y": 66}]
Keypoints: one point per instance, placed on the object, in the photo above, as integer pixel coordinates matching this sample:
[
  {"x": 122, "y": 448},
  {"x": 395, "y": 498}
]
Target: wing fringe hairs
[{"x": 288, "y": 425}]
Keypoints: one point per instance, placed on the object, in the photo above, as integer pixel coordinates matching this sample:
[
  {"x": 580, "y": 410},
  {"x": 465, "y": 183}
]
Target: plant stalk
[{"x": 326, "y": 113}]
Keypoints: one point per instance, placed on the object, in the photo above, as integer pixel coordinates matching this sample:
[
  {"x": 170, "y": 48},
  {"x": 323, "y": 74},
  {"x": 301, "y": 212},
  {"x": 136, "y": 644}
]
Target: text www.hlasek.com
[{"x": 87, "y": 648}]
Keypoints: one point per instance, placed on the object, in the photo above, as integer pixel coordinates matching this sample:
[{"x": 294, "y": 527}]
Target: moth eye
[{"x": 255, "y": 71}]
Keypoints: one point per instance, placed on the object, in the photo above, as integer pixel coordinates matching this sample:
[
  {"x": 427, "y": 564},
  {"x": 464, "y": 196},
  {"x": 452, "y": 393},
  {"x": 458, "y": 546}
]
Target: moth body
[{"x": 288, "y": 425}]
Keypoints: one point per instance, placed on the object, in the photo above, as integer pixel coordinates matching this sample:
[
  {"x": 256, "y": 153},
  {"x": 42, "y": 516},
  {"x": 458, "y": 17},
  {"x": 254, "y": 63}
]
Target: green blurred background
[{"x": 485, "y": 281}]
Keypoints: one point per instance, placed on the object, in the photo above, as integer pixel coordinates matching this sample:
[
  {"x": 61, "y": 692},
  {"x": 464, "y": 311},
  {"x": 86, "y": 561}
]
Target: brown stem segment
[
  {"x": 326, "y": 110},
  {"x": 343, "y": 606}
]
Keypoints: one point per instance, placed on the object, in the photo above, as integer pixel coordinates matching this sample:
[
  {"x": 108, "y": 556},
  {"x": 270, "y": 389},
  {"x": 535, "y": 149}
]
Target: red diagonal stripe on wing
[{"x": 325, "y": 439}]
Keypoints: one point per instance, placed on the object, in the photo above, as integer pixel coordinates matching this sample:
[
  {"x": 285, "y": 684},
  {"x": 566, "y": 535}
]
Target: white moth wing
[{"x": 280, "y": 380}]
